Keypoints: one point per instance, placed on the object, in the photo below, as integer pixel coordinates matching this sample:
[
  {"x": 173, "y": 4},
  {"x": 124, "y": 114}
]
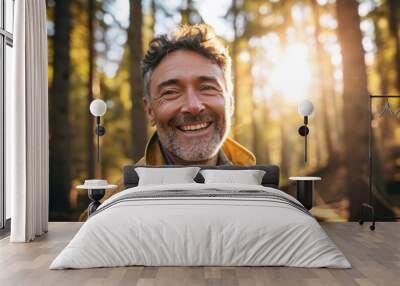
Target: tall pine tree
[
  {"x": 138, "y": 116},
  {"x": 355, "y": 104},
  {"x": 60, "y": 175}
]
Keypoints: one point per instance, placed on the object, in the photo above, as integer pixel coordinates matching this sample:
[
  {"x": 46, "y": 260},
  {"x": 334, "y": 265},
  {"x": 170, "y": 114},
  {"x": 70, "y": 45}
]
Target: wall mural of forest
[{"x": 333, "y": 52}]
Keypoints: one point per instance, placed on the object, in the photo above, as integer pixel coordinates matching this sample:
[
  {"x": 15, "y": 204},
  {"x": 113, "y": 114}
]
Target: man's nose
[{"x": 192, "y": 103}]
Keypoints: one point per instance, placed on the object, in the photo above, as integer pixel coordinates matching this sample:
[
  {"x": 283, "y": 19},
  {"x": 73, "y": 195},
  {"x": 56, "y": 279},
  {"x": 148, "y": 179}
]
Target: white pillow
[
  {"x": 162, "y": 176},
  {"x": 249, "y": 177}
]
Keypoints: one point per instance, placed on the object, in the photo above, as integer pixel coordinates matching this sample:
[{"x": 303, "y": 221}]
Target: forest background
[{"x": 334, "y": 53}]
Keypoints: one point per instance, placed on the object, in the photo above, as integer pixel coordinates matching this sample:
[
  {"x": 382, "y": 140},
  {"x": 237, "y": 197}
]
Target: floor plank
[{"x": 375, "y": 257}]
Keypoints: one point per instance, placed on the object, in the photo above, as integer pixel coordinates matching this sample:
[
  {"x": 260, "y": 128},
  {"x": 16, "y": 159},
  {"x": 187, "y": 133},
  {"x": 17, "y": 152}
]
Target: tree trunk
[
  {"x": 266, "y": 138},
  {"x": 234, "y": 55},
  {"x": 284, "y": 164},
  {"x": 316, "y": 133},
  {"x": 321, "y": 83},
  {"x": 284, "y": 138},
  {"x": 386, "y": 128},
  {"x": 153, "y": 7},
  {"x": 90, "y": 131},
  {"x": 186, "y": 12},
  {"x": 336, "y": 119},
  {"x": 254, "y": 129},
  {"x": 189, "y": 14},
  {"x": 138, "y": 116},
  {"x": 394, "y": 18},
  {"x": 60, "y": 174},
  {"x": 355, "y": 109}
]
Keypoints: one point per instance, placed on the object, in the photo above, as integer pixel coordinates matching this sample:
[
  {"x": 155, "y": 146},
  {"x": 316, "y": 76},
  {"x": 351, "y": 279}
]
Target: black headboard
[{"x": 270, "y": 179}]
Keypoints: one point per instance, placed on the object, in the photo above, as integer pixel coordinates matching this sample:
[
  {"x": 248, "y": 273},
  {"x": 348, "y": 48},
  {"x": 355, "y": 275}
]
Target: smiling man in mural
[{"x": 188, "y": 98}]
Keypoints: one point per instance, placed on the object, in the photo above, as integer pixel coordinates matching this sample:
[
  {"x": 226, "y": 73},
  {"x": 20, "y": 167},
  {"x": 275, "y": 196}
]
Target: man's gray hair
[{"x": 196, "y": 38}]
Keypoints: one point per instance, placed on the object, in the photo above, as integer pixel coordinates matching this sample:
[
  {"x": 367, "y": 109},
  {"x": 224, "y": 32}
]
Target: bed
[{"x": 201, "y": 224}]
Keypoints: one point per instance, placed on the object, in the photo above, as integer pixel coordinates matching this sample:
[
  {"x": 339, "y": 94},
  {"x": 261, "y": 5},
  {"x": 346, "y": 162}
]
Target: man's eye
[
  {"x": 208, "y": 87},
  {"x": 169, "y": 93}
]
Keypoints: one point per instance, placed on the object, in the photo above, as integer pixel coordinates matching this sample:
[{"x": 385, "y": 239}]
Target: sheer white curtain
[{"x": 27, "y": 124}]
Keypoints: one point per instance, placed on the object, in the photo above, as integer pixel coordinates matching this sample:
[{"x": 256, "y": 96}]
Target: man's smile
[{"x": 194, "y": 126}]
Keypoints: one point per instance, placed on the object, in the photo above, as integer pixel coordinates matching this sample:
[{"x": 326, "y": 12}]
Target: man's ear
[{"x": 149, "y": 111}]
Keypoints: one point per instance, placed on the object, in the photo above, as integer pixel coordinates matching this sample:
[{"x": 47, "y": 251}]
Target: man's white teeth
[{"x": 194, "y": 127}]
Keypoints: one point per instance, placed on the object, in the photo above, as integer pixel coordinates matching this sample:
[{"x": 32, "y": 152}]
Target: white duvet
[{"x": 188, "y": 231}]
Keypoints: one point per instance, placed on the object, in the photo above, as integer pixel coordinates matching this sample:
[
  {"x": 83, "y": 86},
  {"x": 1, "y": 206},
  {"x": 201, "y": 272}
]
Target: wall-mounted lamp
[
  {"x": 97, "y": 188},
  {"x": 98, "y": 108},
  {"x": 305, "y": 109}
]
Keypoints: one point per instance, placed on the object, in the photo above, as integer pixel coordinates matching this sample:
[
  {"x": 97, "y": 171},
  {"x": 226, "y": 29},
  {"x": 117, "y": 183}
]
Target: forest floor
[{"x": 332, "y": 204}]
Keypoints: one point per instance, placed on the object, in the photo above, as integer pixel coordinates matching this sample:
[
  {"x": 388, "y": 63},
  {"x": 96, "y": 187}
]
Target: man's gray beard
[{"x": 197, "y": 150}]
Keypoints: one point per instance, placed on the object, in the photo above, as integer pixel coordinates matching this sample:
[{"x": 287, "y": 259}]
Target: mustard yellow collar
[{"x": 234, "y": 152}]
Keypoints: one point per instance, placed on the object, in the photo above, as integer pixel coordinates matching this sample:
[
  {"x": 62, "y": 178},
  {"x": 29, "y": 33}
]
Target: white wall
[{"x": 9, "y": 67}]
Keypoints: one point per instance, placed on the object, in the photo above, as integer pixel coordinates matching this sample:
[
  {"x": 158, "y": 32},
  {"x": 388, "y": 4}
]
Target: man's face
[{"x": 188, "y": 104}]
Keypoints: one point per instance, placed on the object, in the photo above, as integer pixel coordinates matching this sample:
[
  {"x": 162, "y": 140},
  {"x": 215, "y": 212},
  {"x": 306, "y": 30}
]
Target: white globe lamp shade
[
  {"x": 98, "y": 107},
  {"x": 306, "y": 108}
]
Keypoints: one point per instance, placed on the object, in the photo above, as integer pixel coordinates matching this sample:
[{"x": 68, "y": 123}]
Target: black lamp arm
[
  {"x": 303, "y": 131},
  {"x": 100, "y": 130}
]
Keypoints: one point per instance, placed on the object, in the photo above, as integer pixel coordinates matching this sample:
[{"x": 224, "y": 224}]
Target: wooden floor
[{"x": 375, "y": 256}]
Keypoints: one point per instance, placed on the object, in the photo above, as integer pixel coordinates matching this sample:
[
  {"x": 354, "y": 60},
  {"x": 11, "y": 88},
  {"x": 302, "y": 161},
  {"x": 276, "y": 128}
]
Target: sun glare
[{"x": 291, "y": 76}]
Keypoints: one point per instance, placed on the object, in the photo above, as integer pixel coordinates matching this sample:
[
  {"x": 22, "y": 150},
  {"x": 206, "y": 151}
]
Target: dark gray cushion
[{"x": 270, "y": 179}]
